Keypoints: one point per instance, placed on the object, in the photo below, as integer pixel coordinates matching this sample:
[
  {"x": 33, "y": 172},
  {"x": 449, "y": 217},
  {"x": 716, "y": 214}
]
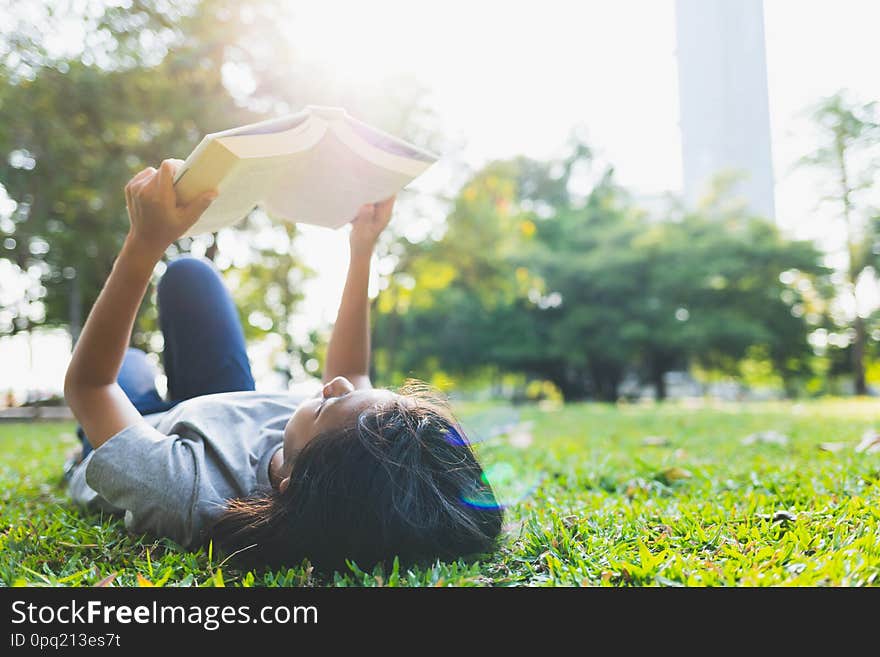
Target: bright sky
[
  {"x": 512, "y": 78},
  {"x": 509, "y": 78}
]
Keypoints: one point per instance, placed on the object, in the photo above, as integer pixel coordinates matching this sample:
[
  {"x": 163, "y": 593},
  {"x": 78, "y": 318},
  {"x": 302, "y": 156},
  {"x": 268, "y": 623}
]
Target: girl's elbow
[
  {"x": 70, "y": 396},
  {"x": 73, "y": 389}
]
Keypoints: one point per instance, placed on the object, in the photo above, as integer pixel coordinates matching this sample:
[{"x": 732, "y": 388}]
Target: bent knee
[{"x": 188, "y": 273}]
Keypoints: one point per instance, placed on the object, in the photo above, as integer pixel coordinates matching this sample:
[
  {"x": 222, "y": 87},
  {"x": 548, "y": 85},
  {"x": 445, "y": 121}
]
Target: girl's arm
[
  {"x": 348, "y": 353},
  {"x": 90, "y": 387}
]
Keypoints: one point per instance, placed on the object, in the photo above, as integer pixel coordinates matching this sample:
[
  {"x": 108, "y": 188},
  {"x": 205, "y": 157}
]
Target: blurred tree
[
  {"x": 716, "y": 289},
  {"x": 551, "y": 270},
  {"x": 70, "y": 219},
  {"x": 145, "y": 81},
  {"x": 445, "y": 301},
  {"x": 849, "y": 151},
  {"x": 268, "y": 290},
  {"x": 78, "y": 125},
  {"x": 593, "y": 281}
]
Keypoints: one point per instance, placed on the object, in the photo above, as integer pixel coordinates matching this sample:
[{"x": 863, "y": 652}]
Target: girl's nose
[{"x": 337, "y": 387}]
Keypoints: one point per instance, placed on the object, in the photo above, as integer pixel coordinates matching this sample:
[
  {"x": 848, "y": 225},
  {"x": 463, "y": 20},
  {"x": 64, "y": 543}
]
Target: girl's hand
[
  {"x": 371, "y": 220},
  {"x": 155, "y": 216}
]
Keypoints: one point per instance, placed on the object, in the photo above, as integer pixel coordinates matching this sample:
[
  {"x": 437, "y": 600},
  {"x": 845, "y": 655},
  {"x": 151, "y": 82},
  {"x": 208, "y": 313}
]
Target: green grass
[{"x": 591, "y": 504}]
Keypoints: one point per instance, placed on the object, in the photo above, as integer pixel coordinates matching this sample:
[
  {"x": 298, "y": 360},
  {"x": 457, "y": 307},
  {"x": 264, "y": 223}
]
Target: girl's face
[{"x": 337, "y": 405}]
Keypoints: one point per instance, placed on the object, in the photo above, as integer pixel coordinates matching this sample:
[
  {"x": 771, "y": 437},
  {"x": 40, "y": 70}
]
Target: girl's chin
[{"x": 288, "y": 428}]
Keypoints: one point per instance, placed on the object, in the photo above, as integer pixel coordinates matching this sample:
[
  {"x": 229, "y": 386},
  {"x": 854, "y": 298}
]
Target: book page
[
  {"x": 300, "y": 137},
  {"x": 328, "y": 184},
  {"x": 269, "y": 126},
  {"x": 389, "y": 143},
  {"x": 248, "y": 182},
  {"x": 392, "y": 161}
]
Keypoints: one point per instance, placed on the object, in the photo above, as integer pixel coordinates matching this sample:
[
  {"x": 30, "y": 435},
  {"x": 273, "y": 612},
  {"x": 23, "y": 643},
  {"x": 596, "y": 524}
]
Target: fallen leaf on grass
[
  {"x": 633, "y": 489},
  {"x": 143, "y": 581},
  {"x": 870, "y": 442},
  {"x": 770, "y": 437},
  {"x": 570, "y": 521},
  {"x": 673, "y": 474},
  {"x": 655, "y": 441},
  {"x": 831, "y": 447},
  {"x": 664, "y": 531},
  {"x": 107, "y": 580}
]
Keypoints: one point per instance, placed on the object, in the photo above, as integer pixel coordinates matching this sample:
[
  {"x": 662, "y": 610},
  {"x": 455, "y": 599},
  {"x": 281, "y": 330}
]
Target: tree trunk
[
  {"x": 858, "y": 357},
  {"x": 606, "y": 383},
  {"x": 570, "y": 385},
  {"x": 789, "y": 387},
  {"x": 658, "y": 377},
  {"x": 854, "y": 269},
  {"x": 75, "y": 310},
  {"x": 610, "y": 391}
]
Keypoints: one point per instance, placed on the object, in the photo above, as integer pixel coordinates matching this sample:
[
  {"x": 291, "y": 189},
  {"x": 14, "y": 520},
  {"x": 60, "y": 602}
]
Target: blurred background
[{"x": 636, "y": 200}]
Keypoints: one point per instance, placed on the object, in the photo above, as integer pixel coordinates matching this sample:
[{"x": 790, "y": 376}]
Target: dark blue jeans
[{"x": 204, "y": 342}]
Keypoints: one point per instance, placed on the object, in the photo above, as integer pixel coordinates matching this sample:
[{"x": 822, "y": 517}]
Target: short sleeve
[{"x": 153, "y": 477}]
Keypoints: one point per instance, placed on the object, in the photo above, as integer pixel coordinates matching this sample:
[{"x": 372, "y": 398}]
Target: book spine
[{"x": 204, "y": 170}]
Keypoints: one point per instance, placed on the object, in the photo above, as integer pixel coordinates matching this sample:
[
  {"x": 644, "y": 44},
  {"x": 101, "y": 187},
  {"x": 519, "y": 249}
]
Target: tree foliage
[
  {"x": 849, "y": 152},
  {"x": 586, "y": 289},
  {"x": 146, "y": 82}
]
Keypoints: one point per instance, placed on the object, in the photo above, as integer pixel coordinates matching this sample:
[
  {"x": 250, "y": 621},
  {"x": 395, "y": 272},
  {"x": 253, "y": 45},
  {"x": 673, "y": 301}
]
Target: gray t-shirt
[{"x": 173, "y": 474}]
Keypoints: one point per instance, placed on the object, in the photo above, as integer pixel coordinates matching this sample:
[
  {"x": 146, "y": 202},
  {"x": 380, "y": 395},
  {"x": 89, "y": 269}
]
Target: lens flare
[
  {"x": 453, "y": 437},
  {"x": 510, "y": 487},
  {"x": 490, "y": 423}
]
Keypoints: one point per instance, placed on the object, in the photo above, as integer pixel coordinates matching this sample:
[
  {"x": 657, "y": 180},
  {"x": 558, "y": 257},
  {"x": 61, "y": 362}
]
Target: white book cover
[{"x": 318, "y": 166}]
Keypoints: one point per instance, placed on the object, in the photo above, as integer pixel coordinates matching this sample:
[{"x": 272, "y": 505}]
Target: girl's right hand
[{"x": 155, "y": 216}]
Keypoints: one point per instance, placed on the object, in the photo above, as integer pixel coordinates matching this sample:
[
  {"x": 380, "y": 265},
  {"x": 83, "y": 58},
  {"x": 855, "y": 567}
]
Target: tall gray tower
[{"x": 722, "y": 80}]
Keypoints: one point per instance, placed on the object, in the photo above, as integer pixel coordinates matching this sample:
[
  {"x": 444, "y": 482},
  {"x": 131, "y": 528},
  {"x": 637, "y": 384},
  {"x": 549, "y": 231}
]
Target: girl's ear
[{"x": 284, "y": 484}]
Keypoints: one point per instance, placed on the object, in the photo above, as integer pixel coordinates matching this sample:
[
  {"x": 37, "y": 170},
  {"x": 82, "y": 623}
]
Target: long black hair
[{"x": 402, "y": 480}]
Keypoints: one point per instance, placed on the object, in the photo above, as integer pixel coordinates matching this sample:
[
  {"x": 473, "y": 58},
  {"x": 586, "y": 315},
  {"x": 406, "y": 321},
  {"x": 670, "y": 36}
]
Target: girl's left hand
[
  {"x": 369, "y": 223},
  {"x": 155, "y": 216}
]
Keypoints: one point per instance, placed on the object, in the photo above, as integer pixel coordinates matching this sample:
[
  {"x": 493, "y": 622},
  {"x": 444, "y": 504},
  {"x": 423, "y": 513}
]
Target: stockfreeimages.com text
[{"x": 210, "y": 617}]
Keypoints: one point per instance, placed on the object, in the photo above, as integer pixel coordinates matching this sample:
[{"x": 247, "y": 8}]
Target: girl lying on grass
[{"x": 355, "y": 472}]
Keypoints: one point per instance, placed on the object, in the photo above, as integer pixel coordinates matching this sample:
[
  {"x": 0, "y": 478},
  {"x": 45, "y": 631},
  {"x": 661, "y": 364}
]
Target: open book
[{"x": 318, "y": 166}]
